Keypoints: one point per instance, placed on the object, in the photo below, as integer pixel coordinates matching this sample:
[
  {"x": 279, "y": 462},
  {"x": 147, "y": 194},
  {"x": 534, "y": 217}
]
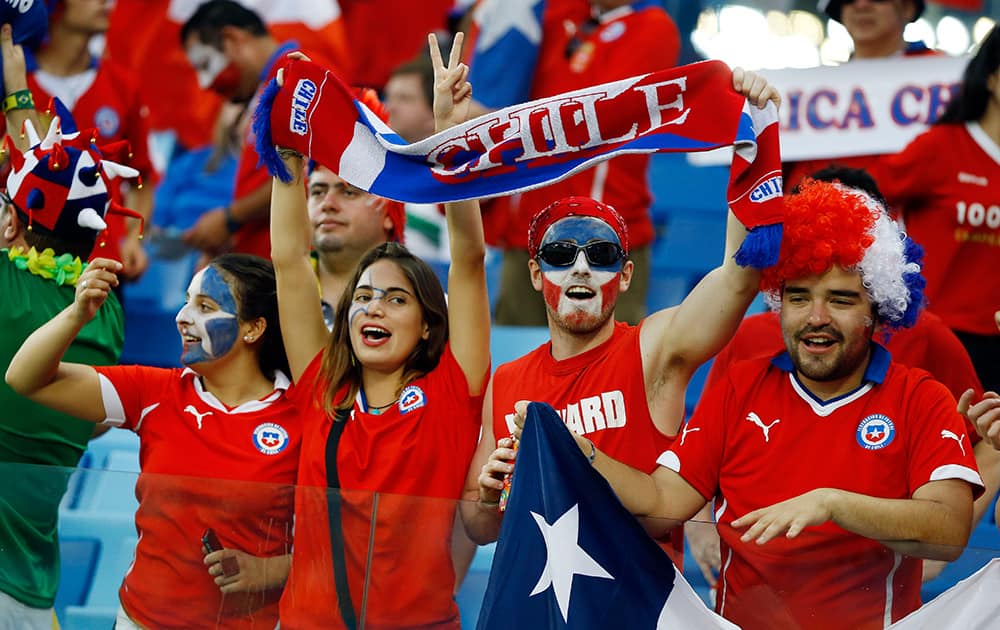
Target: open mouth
[
  {"x": 374, "y": 334},
  {"x": 188, "y": 338},
  {"x": 818, "y": 343},
  {"x": 578, "y": 292}
]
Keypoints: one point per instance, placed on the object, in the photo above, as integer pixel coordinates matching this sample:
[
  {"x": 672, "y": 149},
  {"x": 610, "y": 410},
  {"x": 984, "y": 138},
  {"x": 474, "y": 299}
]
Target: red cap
[{"x": 574, "y": 206}]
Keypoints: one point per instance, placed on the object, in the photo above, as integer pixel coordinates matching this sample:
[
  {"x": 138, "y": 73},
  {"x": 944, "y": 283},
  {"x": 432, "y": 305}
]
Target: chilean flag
[
  {"x": 524, "y": 146},
  {"x": 507, "y": 37},
  {"x": 571, "y": 556}
]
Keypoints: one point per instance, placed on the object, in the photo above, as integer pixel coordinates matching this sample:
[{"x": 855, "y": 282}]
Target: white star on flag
[
  {"x": 496, "y": 17},
  {"x": 564, "y": 558}
]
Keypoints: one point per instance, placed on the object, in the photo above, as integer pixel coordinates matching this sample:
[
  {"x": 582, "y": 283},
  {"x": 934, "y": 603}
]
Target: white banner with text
[{"x": 864, "y": 107}]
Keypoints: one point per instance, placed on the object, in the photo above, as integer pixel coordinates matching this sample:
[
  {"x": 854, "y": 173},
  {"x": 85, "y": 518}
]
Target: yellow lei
[{"x": 64, "y": 269}]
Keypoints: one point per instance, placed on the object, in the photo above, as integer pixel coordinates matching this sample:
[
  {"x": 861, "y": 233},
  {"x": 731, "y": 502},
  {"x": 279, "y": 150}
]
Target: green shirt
[{"x": 40, "y": 447}]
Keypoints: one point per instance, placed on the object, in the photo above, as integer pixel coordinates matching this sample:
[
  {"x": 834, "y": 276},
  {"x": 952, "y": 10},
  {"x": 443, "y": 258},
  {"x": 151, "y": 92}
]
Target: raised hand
[
  {"x": 985, "y": 414},
  {"x": 14, "y": 69},
  {"x": 93, "y": 286},
  {"x": 755, "y": 88},
  {"x": 297, "y": 54},
  {"x": 452, "y": 90}
]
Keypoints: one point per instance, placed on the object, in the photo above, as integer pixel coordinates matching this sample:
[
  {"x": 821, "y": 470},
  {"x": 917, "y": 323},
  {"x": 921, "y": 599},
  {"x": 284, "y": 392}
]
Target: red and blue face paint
[{"x": 581, "y": 295}]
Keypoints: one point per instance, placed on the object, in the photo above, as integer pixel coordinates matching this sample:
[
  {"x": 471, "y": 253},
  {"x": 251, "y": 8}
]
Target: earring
[{"x": 248, "y": 338}]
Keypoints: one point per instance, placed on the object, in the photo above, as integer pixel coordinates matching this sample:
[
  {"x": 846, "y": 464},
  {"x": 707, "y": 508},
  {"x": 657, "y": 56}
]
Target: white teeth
[
  {"x": 375, "y": 331},
  {"x": 580, "y": 292}
]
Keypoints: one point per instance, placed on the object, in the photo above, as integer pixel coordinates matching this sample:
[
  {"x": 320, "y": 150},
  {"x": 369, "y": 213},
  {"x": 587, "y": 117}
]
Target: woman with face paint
[
  {"x": 219, "y": 444},
  {"x": 392, "y": 407}
]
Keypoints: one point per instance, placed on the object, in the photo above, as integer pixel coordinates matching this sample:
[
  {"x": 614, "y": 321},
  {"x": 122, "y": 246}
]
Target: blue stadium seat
[
  {"x": 111, "y": 490},
  {"x": 677, "y": 184},
  {"x": 117, "y": 538},
  {"x": 97, "y": 458},
  {"x": 691, "y": 241},
  {"x": 470, "y": 596},
  {"x": 89, "y": 617},
  {"x": 510, "y": 342},
  {"x": 695, "y": 387},
  {"x": 151, "y": 304},
  {"x": 78, "y": 559},
  {"x": 667, "y": 288}
]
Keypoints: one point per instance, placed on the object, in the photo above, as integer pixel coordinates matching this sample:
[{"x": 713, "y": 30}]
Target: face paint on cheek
[
  {"x": 215, "y": 71},
  {"x": 219, "y": 329}
]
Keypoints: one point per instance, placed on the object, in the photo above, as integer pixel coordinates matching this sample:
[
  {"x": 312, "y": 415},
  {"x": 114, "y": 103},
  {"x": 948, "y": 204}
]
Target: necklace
[{"x": 386, "y": 406}]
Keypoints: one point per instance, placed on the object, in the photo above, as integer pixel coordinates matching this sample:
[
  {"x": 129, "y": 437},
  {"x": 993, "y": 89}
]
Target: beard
[{"x": 832, "y": 366}]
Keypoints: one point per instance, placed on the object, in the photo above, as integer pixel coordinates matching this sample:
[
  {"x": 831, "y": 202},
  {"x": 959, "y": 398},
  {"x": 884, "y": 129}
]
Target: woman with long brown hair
[{"x": 392, "y": 406}]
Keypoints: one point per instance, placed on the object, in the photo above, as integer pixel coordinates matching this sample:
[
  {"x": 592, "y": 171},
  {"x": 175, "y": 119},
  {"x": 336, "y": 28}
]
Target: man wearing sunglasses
[
  {"x": 876, "y": 29},
  {"x": 587, "y": 43},
  {"x": 619, "y": 385}
]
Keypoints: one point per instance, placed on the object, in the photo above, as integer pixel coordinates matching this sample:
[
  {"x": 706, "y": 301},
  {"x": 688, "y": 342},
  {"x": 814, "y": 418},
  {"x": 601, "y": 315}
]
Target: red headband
[{"x": 575, "y": 206}]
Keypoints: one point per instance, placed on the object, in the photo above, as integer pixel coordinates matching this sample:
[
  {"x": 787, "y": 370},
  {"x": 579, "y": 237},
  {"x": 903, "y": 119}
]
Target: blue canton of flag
[
  {"x": 571, "y": 556},
  {"x": 503, "y": 62}
]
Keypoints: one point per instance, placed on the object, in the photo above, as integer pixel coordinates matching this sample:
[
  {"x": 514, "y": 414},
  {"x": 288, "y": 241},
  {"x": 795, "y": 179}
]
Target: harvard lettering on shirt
[
  {"x": 597, "y": 393},
  {"x": 249, "y": 455},
  {"x": 593, "y": 413},
  {"x": 759, "y": 437},
  {"x": 945, "y": 185}
]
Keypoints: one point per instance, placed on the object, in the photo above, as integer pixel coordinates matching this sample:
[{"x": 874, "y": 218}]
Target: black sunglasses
[{"x": 564, "y": 253}]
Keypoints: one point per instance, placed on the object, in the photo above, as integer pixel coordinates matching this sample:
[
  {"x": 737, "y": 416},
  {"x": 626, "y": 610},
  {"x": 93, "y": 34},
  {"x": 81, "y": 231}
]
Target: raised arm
[
  {"x": 15, "y": 79},
  {"x": 687, "y": 335},
  {"x": 300, "y": 310},
  {"x": 36, "y": 371},
  {"x": 468, "y": 300}
]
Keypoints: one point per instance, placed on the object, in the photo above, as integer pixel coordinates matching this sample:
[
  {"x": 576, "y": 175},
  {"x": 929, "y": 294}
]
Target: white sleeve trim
[
  {"x": 956, "y": 471},
  {"x": 114, "y": 411},
  {"x": 668, "y": 459}
]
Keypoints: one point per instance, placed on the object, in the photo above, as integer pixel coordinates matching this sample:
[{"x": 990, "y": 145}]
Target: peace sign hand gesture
[{"x": 452, "y": 90}]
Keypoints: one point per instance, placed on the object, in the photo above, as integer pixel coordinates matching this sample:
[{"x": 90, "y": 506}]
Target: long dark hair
[
  {"x": 256, "y": 296},
  {"x": 340, "y": 365},
  {"x": 974, "y": 93}
]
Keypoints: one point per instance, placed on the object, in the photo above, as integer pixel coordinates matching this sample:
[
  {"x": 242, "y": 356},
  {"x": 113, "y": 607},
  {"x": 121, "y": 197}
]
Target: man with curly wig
[{"x": 833, "y": 469}]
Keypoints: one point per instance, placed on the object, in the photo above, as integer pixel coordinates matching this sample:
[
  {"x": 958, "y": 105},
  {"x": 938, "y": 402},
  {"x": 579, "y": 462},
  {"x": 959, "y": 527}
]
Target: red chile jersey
[
  {"x": 946, "y": 184},
  {"x": 759, "y": 437},
  {"x": 407, "y": 466},
  {"x": 254, "y": 237},
  {"x": 203, "y": 465},
  {"x": 112, "y": 105},
  {"x": 600, "y": 394},
  {"x": 625, "y": 42}
]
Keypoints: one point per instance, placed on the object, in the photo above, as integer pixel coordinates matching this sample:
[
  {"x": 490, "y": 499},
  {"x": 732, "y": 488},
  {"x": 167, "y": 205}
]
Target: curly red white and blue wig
[{"x": 827, "y": 225}]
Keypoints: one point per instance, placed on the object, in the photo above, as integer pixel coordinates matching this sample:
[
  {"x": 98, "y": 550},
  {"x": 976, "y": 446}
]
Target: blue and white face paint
[
  {"x": 208, "y": 321},
  {"x": 580, "y": 297}
]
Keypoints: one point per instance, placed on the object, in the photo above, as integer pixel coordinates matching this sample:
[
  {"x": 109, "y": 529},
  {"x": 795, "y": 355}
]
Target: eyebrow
[
  {"x": 386, "y": 291},
  {"x": 834, "y": 292}
]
